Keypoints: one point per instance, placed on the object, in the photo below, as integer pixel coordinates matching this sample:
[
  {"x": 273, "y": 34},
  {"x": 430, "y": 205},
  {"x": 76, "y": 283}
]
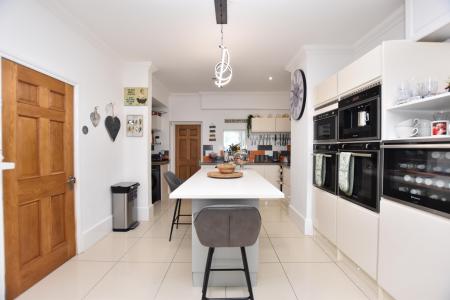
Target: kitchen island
[{"x": 205, "y": 191}]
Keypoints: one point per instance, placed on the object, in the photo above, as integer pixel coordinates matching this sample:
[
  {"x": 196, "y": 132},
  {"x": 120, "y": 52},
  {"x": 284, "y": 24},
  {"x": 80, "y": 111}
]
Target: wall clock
[{"x": 298, "y": 94}]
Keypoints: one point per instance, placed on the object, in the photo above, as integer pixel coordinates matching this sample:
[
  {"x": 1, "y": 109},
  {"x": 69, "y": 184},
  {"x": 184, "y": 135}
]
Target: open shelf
[
  {"x": 433, "y": 103},
  {"x": 436, "y": 138}
]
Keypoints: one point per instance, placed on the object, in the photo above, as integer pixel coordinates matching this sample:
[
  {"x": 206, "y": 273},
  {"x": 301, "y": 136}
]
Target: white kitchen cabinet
[
  {"x": 357, "y": 235},
  {"x": 156, "y": 122},
  {"x": 272, "y": 174},
  {"x": 282, "y": 125},
  {"x": 414, "y": 260},
  {"x": 263, "y": 125},
  {"x": 287, "y": 184},
  {"x": 325, "y": 213},
  {"x": 365, "y": 69},
  {"x": 427, "y": 20},
  {"x": 209, "y": 167},
  {"x": 326, "y": 90}
]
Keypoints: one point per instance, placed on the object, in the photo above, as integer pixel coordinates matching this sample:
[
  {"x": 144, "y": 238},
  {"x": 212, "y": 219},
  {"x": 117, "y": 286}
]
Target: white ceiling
[{"x": 181, "y": 37}]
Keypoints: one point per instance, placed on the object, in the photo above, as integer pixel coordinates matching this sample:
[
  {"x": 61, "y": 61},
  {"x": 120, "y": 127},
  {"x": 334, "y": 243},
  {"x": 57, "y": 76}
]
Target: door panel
[
  {"x": 187, "y": 148},
  {"x": 38, "y": 203}
]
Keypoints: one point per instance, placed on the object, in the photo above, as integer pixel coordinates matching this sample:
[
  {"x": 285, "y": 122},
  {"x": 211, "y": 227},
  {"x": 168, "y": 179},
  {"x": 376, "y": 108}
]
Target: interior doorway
[
  {"x": 187, "y": 150},
  {"x": 39, "y": 193}
]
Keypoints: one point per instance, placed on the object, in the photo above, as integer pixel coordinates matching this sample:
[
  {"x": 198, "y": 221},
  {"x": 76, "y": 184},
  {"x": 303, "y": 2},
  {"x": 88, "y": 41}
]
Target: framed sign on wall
[{"x": 135, "y": 96}]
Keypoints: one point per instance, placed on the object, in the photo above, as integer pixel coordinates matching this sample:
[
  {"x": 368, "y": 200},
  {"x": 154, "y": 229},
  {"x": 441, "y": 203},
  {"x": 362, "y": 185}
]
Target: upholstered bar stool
[
  {"x": 174, "y": 182},
  {"x": 227, "y": 226}
]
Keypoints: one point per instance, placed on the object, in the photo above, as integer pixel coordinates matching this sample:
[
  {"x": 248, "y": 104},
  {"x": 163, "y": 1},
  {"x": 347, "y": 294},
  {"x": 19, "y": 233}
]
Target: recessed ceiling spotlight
[{"x": 270, "y": 77}]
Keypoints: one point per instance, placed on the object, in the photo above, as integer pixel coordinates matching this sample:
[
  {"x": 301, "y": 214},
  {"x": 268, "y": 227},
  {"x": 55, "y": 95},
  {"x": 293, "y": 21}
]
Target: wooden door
[
  {"x": 187, "y": 150},
  {"x": 38, "y": 199}
]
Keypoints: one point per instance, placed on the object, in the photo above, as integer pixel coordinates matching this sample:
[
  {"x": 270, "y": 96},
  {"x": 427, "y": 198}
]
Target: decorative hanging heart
[
  {"x": 95, "y": 117},
  {"x": 112, "y": 125}
]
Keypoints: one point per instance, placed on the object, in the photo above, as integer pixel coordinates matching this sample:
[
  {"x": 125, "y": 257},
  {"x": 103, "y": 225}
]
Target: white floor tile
[
  {"x": 139, "y": 231},
  {"x": 266, "y": 251},
  {"x": 184, "y": 253},
  {"x": 298, "y": 250},
  {"x": 321, "y": 281},
  {"x": 73, "y": 280},
  {"x": 111, "y": 248},
  {"x": 130, "y": 281},
  {"x": 282, "y": 229},
  {"x": 152, "y": 250},
  {"x": 161, "y": 229},
  {"x": 272, "y": 283},
  {"x": 178, "y": 285}
]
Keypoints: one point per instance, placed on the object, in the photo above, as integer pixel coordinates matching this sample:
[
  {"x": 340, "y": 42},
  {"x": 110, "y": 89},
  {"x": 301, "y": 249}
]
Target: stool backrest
[
  {"x": 172, "y": 180},
  {"x": 228, "y": 225}
]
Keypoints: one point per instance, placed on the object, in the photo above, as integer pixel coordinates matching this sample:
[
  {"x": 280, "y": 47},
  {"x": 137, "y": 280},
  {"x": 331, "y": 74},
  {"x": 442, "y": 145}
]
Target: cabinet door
[
  {"x": 326, "y": 90},
  {"x": 272, "y": 174},
  {"x": 259, "y": 169},
  {"x": 325, "y": 210},
  {"x": 413, "y": 242},
  {"x": 357, "y": 235},
  {"x": 282, "y": 124},
  {"x": 427, "y": 20},
  {"x": 360, "y": 72},
  {"x": 263, "y": 125}
]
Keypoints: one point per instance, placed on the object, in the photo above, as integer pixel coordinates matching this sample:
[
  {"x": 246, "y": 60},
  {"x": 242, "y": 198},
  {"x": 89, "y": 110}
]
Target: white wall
[
  {"x": 188, "y": 108},
  {"x": 318, "y": 62},
  {"x": 160, "y": 91},
  {"x": 136, "y": 154}
]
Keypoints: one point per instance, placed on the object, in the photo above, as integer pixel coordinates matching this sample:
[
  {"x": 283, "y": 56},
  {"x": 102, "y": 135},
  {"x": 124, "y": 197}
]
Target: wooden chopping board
[{"x": 219, "y": 175}]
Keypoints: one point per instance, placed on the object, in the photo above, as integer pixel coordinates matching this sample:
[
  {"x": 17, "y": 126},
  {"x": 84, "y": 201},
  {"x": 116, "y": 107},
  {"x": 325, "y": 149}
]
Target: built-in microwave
[
  {"x": 359, "y": 115},
  {"x": 418, "y": 175},
  {"x": 325, "y": 126}
]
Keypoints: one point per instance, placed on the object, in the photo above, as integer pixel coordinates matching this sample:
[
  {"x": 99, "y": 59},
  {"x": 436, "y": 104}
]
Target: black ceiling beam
[{"x": 221, "y": 11}]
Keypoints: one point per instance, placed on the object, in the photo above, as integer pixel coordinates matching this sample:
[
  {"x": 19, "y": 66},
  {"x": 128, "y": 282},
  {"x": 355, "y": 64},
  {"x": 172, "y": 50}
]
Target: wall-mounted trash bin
[{"x": 124, "y": 205}]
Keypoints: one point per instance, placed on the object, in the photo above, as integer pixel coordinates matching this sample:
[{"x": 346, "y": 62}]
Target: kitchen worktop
[
  {"x": 160, "y": 162},
  {"x": 283, "y": 164},
  {"x": 250, "y": 186}
]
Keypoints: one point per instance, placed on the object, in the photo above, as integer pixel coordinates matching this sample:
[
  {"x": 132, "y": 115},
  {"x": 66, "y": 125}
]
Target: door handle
[{"x": 71, "y": 180}]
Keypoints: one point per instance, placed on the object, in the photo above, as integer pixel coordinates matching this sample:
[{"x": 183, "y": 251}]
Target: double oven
[{"x": 351, "y": 130}]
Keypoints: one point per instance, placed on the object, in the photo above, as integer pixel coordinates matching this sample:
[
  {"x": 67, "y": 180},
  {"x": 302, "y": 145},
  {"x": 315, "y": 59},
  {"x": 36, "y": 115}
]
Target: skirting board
[
  {"x": 304, "y": 223},
  {"x": 94, "y": 234},
  {"x": 144, "y": 212}
]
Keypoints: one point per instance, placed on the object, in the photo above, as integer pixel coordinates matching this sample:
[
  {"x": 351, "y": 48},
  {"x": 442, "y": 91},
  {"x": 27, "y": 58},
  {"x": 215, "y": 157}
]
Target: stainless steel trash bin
[{"x": 124, "y": 205}]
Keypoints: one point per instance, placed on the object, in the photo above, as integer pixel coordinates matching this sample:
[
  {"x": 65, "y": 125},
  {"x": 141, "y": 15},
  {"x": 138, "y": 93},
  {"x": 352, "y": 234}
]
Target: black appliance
[
  {"x": 329, "y": 152},
  {"x": 156, "y": 183},
  {"x": 360, "y": 116},
  {"x": 366, "y": 175},
  {"x": 325, "y": 126},
  {"x": 418, "y": 175}
]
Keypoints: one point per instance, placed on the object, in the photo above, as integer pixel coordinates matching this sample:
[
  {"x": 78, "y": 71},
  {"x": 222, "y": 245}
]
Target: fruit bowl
[{"x": 226, "y": 168}]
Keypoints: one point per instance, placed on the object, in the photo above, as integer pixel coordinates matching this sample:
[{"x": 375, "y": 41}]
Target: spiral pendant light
[{"x": 222, "y": 70}]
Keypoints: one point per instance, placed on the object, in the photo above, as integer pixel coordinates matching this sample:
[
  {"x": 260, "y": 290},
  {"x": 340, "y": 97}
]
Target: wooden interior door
[
  {"x": 38, "y": 197},
  {"x": 187, "y": 150}
]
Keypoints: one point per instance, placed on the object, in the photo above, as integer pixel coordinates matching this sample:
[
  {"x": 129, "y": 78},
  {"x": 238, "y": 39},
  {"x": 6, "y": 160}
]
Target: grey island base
[{"x": 205, "y": 191}]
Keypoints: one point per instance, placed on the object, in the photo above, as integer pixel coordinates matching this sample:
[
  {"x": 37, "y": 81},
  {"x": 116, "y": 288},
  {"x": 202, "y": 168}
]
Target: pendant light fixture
[{"x": 222, "y": 70}]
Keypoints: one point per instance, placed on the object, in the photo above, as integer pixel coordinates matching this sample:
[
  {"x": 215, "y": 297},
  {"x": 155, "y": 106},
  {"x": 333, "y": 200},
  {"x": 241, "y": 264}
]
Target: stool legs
[
  {"x": 247, "y": 272},
  {"x": 174, "y": 218},
  {"x": 207, "y": 271}
]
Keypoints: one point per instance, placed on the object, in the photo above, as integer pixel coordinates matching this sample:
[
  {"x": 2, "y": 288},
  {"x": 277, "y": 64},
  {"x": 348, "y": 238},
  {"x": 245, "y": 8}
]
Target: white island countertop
[{"x": 250, "y": 186}]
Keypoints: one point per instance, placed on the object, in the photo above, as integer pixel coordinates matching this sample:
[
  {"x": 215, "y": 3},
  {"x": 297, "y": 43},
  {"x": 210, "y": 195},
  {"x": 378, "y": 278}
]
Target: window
[{"x": 234, "y": 137}]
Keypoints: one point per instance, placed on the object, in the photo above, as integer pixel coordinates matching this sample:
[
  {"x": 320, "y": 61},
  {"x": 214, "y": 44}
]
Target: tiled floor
[{"x": 143, "y": 264}]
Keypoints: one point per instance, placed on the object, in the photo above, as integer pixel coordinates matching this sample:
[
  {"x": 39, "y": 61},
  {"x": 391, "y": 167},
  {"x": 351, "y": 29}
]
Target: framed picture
[
  {"x": 135, "y": 125},
  {"x": 439, "y": 127},
  {"x": 135, "y": 96}
]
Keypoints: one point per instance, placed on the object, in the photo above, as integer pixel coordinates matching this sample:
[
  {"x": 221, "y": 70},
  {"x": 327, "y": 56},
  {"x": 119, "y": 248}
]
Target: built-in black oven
[
  {"x": 418, "y": 175},
  {"x": 325, "y": 167},
  {"x": 360, "y": 115},
  {"x": 325, "y": 126},
  {"x": 359, "y": 175}
]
